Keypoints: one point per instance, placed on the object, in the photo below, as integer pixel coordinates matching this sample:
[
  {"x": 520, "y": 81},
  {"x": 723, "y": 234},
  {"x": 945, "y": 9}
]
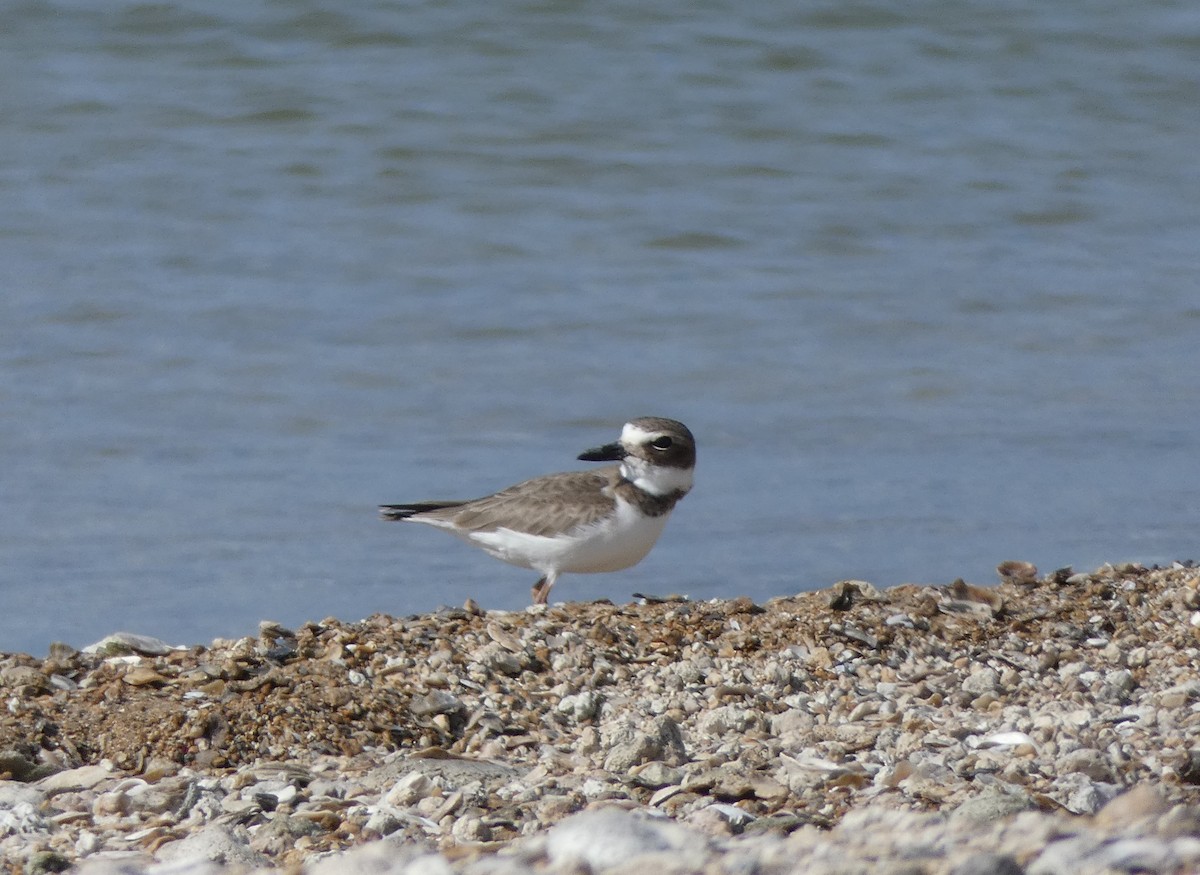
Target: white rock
[
  {"x": 1137, "y": 855},
  {"x": 82, "y": 778},
  {"x": 983, "y": 681},
  {"x": 22, "y": 818},
  {"x": 736, "y": 817},
  {"x": 409, "y": 790},
  {"x": 1006, "y": 739},
  {"x": 215, "y": 843},
  {"x": 606, "y": 837},
  {"x": 1083, "y": 795},
  {"x": 580, "y": 706},
  {"x": 143, "y": 644},
  {"x": 13, "y": 793},
  {"x": 384, "y": 820},
  {"x": 387, "y": 857},
  {"x": 87, "y": 843}
]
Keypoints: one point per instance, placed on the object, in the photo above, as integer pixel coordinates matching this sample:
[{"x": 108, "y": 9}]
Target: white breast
[{"x": 611, "y": 544}]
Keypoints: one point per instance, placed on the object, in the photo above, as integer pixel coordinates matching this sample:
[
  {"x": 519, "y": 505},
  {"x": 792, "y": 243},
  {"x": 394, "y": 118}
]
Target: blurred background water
[{"x": 922, "y": 278}]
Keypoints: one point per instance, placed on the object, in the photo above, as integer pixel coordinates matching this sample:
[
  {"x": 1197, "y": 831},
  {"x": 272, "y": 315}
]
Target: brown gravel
[{"x": 508, "y": 687}]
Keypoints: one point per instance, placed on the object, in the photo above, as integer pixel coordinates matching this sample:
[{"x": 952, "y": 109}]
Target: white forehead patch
[{"x": 632, "y": 434}]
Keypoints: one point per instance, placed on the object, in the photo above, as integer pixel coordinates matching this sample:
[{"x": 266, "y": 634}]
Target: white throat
[{"x": 658, "y": 480}]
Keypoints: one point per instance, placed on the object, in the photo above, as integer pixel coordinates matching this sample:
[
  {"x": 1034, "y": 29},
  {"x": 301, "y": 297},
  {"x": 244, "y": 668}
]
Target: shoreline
[{"x": 1039, "y": 723}]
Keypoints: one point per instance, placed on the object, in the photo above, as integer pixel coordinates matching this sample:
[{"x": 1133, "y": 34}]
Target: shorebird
[{"x": 578, "y": 521}]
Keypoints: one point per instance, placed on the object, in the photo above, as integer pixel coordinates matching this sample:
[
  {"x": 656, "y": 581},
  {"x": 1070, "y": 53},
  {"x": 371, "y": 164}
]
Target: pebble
[
  {"x": 1041, "y": 726},
  {"x": 120, "y": 643},
  {"x": 609, "y": 837}
]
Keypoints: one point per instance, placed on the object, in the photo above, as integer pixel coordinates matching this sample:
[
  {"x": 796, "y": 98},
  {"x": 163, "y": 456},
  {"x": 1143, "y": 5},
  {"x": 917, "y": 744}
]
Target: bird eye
[{"x": 662, "y": 443}]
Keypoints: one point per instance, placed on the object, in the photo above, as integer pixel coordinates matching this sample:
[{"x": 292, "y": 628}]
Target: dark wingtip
[
  {"x": 395, "y": 511},
  {"x": 406, "y": 511}
]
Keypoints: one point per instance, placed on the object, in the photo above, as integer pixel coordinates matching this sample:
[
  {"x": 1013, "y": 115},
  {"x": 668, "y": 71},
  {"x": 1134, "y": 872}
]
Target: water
[{"x": 922, "y": 278}]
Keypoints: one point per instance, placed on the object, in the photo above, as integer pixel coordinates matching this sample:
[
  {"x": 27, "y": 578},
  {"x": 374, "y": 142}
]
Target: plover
[{"x": 578, "y": 521}]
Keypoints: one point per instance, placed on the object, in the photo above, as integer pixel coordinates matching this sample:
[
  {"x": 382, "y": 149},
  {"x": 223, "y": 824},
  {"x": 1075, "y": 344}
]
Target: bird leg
[{"x": 541, "y": 590}]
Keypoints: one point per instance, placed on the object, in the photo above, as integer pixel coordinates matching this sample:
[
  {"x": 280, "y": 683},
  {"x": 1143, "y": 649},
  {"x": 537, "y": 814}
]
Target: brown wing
[{"x": 541, "y": 506}]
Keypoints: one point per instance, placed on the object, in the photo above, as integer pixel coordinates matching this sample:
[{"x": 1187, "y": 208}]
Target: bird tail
[{"x": 404, "y": 511}]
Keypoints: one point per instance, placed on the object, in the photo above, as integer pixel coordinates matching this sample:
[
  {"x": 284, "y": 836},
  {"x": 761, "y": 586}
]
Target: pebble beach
[{"x": 1049, "y": 723}]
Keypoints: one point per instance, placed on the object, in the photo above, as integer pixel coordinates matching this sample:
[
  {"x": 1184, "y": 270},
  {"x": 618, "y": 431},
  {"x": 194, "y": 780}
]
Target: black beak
[{"x": 607, "y": 453}]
